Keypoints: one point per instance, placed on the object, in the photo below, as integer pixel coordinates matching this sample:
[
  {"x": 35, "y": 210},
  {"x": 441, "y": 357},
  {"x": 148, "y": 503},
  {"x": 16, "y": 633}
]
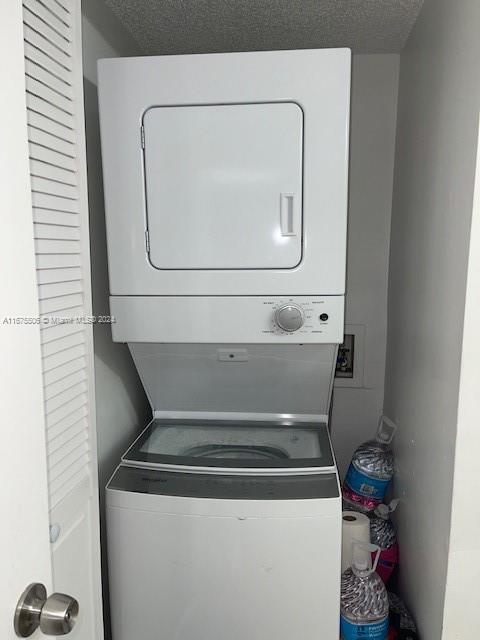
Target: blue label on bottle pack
[
  {"x": 371, "y": 631},
  {"x": 365, "y": 485}
]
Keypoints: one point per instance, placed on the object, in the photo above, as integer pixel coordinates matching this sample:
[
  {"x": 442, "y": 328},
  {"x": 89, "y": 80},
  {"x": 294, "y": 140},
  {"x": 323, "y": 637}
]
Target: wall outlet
[{"x": 351, "y": 357}]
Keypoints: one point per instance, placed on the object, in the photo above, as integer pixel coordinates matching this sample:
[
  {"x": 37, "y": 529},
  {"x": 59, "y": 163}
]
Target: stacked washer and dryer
[{"x": 226, "y": 204}]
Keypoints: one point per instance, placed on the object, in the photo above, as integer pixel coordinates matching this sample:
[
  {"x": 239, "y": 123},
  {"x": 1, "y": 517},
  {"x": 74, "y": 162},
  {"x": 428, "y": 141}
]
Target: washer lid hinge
[
  {"x": 142, "y": 136},
  {"x": 147, "y": 241}
]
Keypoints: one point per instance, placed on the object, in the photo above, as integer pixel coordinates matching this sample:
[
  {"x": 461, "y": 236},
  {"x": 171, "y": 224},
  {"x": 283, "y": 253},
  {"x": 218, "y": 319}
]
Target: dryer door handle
[{"x": 287, "y": 219}]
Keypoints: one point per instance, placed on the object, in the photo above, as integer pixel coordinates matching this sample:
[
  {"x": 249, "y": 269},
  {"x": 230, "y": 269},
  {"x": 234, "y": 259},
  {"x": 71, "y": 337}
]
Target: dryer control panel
[
  {"x": 232, "y": 319},
  {"x": 302, "y": 315}
]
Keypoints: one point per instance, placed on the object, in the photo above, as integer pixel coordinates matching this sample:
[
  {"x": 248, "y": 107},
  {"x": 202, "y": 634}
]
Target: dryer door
[{"x": 224, "y": 186}]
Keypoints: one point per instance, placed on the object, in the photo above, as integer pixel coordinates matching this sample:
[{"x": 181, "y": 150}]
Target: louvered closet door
[{"x": 54, "y": 97}]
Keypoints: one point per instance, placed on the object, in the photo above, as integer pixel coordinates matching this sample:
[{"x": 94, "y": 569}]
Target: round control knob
[{"x": 289, "y": 317}]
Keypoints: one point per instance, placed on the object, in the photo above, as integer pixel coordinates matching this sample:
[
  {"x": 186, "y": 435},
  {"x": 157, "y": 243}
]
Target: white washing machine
[
  {"x": 223, "y": 523},
  {"x": 225, "y": 529}
]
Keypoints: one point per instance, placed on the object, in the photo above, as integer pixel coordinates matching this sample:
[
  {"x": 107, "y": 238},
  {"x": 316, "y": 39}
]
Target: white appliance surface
[
  {"x": 212, "y": 557},
  {"x": 287, "y": 381},
  {"x": 225, "y": 319},
  {"x": 224, "y": 186},
  {"x": 226, "y": 174}
]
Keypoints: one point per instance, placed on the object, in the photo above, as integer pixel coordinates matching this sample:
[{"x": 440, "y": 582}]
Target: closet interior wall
[
  {"x": 121, "y": 405},
  {"x": 372, "y": 149},
  {"x": 439, "y": 97}
]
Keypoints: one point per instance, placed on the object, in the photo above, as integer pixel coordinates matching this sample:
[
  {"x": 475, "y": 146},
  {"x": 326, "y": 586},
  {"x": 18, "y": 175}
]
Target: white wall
[
  {"x": 463, "y": 575},
  {"x": 121, "y": 404},
  {"x": 432, "y": 205},
  {"x": 372, "y": 152},
  {"x": 120, "y": 400}
]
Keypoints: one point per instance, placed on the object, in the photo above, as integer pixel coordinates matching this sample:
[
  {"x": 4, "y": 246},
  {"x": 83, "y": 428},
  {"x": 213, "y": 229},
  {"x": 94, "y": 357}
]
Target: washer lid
[
  {"x": 268, "y": 379},
  {"x": 232, "y": 445}
]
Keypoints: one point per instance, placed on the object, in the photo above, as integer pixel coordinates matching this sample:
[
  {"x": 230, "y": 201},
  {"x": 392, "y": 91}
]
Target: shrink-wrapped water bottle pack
[
  {"x": 367, "y": 527},
  {"x": 370, "y": 471}
]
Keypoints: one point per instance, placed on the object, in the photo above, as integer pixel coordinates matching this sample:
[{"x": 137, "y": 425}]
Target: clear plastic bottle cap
[
  {"x": 362, "y": 557},
  {"x": 382, "y": 511},
  {"x": 361, "y": 563},
  {"x": 386, "y": 430}
]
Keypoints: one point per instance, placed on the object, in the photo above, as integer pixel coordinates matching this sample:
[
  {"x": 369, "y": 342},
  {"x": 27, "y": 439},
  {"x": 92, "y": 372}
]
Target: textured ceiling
[{"x": 202, "y": 26}]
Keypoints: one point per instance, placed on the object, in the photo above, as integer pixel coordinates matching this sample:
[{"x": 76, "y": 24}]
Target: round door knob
[
  {"x": 289, "y": 317},
  {"x": 55, "y": 615}
]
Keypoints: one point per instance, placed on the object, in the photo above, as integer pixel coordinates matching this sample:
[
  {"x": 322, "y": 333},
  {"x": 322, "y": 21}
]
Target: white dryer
[
  {"x": 226, "y": 182},
  {"x": 225, "y": 530}
]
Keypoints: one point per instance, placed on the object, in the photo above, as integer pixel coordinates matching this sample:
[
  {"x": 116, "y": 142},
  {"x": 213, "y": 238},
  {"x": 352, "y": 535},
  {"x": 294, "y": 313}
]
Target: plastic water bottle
[
  {"x": 363, "y": 599},
  {"x": 383, "y": 534},
  {"x": 370, "y": 470}
]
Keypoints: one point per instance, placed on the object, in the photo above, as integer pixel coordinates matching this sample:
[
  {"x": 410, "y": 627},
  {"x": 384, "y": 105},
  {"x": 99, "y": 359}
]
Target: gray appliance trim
[{"x": 224, "y": 487}]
